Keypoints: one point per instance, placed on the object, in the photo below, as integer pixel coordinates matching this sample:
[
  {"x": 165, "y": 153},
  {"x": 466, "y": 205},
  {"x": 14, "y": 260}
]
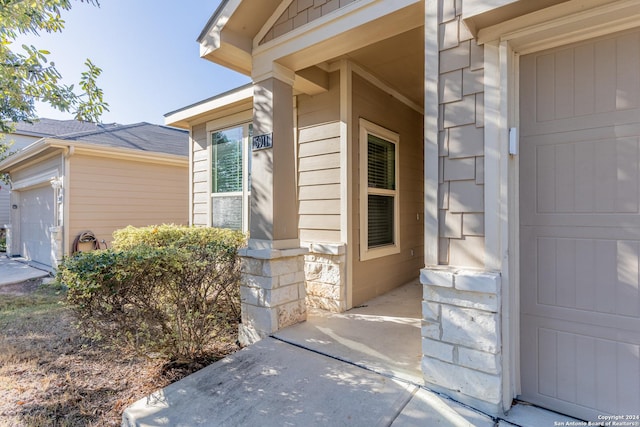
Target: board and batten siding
[
  {"x": 379, "y": 275},
  {"x": 107, "y": 194},
  {"x": 200, "y": 171},
  {"x": 319, "y": 164}
]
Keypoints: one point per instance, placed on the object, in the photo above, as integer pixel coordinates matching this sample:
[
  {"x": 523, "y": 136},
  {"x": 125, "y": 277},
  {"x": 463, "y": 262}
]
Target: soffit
[
  {"x": 398, "y": 61},
  {"x": 227, "y": 38},
  {"x": 249, "y": 18}
]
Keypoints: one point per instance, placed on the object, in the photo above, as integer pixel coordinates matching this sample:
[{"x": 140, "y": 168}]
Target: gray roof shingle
[
  {"x": 139, "y": 136},
  {"x": 51, "y": 127}
]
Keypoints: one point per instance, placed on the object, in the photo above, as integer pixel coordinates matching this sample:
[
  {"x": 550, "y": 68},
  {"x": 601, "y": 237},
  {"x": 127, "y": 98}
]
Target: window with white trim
[
  {"x": 231, "y": 177},
  {"x": 379, "y": 198}
]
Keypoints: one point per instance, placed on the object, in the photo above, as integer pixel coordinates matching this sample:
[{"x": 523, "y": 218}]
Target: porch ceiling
[{"x": 398, "y": 61}]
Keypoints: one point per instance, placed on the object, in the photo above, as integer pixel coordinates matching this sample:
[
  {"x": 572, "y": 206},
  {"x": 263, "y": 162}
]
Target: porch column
[
  {"x": 462, "y": 340},
  {"x": 272, "y": 290}
]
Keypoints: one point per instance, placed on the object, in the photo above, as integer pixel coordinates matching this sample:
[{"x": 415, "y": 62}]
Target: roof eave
[
  {"x": 211, "y": 108},
  {"x": 25, "y": 154},
  {"x": 119, "y": 152},
  {"x": 43, "y": 145},
  {"x": 222, "y": 46}
]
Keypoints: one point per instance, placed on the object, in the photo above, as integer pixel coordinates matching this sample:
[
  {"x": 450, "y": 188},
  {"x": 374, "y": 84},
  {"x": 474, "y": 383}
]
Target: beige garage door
[
  {"x": 580, "y": 227},
  {"x": 36, "y": 216}
]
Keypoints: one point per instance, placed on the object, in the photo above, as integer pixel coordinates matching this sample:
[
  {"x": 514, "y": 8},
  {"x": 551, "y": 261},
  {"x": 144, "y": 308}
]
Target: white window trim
[
  {"x": 366, "y": 253},
  {"x": 246, "y": 190}
]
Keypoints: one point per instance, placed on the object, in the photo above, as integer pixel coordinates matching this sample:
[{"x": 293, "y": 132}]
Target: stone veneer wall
[
  {"x": 301, "y": 12},
  {"x": 460, "y": 141},
  {"x": 326, "y": 277},
  {"x": 461, "y": 343},
  {"x": 272, "y": 292}
]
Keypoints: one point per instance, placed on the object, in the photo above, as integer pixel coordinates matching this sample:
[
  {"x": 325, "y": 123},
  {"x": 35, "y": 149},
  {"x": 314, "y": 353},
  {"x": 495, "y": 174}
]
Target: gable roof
[
  {"x": 50, "y": 127},
  {"x": 140, "y": 141},
  {"x": 240, "y": 21},
  {"x": 139, "y": 136}
]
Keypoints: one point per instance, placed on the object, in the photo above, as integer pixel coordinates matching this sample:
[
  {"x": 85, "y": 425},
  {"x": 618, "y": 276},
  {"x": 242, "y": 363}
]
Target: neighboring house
[
  {"x": 490, "y": 147},
  {"x": 99, "y": 178},
  {"x": 25, "y": 134}
]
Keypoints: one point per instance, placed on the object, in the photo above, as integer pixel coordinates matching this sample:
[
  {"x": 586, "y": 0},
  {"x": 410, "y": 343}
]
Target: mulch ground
[{"x": 52, "y": 376}]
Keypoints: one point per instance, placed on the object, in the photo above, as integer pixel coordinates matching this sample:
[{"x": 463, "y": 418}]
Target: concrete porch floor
[
  {"x": 359, "y": 368},
  {"x": 382, "y": 335}
]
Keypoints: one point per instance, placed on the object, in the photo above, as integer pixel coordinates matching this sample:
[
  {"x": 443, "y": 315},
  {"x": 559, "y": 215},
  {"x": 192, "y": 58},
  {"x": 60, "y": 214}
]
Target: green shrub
[
  {"x": 172, "y": 235},
  {"x": 163, "y": 289}
]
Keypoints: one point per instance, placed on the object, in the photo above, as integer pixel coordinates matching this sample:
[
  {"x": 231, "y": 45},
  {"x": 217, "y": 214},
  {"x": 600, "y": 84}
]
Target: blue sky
[{"x": 148, "y": 53}]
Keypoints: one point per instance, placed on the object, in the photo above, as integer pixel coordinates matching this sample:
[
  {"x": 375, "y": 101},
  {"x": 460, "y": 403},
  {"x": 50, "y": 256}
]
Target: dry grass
[{"x": 51, "y": 376}]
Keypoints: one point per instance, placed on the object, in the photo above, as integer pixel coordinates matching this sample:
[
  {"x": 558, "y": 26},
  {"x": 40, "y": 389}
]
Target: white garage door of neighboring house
[
  {"x": 36, "y": 216},
  {"x": 580, "y": 226}
]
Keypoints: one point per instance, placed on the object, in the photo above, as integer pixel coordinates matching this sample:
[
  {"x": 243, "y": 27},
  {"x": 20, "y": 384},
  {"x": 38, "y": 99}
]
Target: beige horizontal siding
[
  {"x": 315, "y": 148},
  {"x": 320, "y": 192},
  {"x": 107, "y": 194},
  {"x": 319, "y": 177},
  {"x": 319, "y": 165},
  {"x": 307, "y": 235},
  {"x": 377, "y": 276},
  {"x": 319, "y": 207},
  {"x": 201, "y": 169},
  {"x": 320, "y": 222}
]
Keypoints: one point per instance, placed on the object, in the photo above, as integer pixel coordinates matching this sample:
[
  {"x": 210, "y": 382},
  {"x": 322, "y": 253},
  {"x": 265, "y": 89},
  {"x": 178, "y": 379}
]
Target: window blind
[
  {"x": 381, "y": 163},
  {"x": 227, "y": 161}
]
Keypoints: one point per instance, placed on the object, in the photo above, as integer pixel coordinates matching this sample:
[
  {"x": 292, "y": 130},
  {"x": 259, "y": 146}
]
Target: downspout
[{"x": 68, "y": 152}]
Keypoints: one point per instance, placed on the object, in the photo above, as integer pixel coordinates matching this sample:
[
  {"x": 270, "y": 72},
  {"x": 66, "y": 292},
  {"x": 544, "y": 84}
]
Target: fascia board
[
  {"x": 210, "y": 37},
  {"x": 120, "y": 153},
  {"x": 186, "y": 117},
  {"x": 24, "y": 154}
]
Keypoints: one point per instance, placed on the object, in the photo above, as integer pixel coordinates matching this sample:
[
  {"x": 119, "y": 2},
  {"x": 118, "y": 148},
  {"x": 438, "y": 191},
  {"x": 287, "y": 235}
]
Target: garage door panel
[
  {"x": 36, "y": 216},
  {"x": 600, "y": 374},
  {"x": 592, "y": 274},
  {"x": 580, "y": 226},
  {"x": 586, "y": 176},
  {"x": 570, "y": 84}
]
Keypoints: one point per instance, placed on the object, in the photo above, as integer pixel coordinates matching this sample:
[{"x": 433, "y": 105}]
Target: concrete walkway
[
  {"x": 272, "y": 383},
  {"x": 359, "y": 368},
  {"x": 14, "y": 271}
]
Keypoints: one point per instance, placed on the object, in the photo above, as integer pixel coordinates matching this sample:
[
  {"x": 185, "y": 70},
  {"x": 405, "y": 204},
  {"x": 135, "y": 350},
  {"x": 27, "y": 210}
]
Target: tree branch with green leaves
[{"x": 26, "y": 73}]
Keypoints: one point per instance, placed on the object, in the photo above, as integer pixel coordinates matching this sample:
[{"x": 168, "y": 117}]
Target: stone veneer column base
[
  {"x": 272, "y": 291},
  {"x": 326, "y": 277},
  {"x": 461, "y": 340}
]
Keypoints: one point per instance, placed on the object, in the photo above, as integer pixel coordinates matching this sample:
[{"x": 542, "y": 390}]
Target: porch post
[
  {"x": 462, "y": 343},
  {"x": 272, "y": 290}
]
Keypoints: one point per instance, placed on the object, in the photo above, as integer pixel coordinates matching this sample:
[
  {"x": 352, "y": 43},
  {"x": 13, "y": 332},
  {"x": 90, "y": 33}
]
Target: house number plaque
[{"x": 260, "y": 142}]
